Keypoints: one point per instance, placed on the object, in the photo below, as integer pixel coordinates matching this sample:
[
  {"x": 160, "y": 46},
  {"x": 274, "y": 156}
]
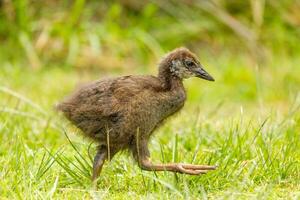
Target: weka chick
[{"x": 122, "y": 113}]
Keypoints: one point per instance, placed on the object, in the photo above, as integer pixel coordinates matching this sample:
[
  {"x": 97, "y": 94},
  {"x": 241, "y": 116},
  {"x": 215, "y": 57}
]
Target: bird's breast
[
  {"x": 175, "y": 103},
  {"x": 148, "y": 110}
]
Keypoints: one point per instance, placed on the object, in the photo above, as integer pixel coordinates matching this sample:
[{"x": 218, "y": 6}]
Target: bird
[{"x": 121, "y": 113}]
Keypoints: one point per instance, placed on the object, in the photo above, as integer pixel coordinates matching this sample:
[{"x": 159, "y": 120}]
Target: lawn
[
  {"x": 250, "y": 130},
  {"x": 247, "y": 122}
]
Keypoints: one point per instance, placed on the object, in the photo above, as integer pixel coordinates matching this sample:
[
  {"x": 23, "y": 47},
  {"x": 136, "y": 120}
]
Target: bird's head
[{"x": 182, "y": 63}]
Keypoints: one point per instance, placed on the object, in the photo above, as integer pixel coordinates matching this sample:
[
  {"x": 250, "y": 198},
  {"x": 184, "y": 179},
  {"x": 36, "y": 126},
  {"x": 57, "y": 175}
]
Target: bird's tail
[{"x": 65, "y": 108}]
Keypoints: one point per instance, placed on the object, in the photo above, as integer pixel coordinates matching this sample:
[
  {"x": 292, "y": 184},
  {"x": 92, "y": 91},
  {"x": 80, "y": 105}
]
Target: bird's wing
[
  {"x": 126, "y": 89},
  {"x": 104, "y": 101}
]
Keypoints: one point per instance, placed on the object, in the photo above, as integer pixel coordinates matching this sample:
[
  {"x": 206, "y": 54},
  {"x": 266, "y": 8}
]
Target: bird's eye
[{"x": 189, "y": 63}]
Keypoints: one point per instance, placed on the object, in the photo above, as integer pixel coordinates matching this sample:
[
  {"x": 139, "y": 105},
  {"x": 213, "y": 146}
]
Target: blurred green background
[{"x": 251, "y": 47}]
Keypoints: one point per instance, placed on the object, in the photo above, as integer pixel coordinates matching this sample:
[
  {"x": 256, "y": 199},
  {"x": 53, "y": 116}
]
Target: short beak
[{"x": 201, "y": 73}]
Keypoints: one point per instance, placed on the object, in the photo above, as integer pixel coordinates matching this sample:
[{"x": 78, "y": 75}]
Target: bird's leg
[
  {"x": 98, "y": 163},
  {"x": 142, "y": 156},
  {"x": 103, "y": 153},
  {"x": 146, "y": 164}
]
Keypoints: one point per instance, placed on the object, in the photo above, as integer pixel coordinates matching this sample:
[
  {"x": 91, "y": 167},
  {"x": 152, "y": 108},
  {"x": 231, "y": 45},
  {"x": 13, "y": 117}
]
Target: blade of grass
[{"x": 73, "y": 146}]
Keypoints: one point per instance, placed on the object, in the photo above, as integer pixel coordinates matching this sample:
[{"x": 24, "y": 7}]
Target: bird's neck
[
  {"x": 174, "y": 92},
  {"x": 169, "y": 81}
]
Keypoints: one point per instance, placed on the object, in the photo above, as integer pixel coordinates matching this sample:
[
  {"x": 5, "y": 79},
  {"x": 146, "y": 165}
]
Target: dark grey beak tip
[
  {"x": 206, "y": 76},
  {"x": 211, "y": 79},
  {"x": 201, "y": 73}
]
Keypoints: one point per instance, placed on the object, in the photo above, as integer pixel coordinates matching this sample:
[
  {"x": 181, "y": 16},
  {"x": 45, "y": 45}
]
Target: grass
[
  {"x": 251, "y": 135},
  {"x": 247, "y": 122}
]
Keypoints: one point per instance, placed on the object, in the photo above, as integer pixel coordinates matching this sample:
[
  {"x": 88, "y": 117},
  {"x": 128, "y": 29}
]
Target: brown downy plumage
[{"x": 125, "y": 111}]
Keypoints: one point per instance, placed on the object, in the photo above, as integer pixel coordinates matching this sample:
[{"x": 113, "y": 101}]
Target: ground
[{"x": 247, "y": 123}]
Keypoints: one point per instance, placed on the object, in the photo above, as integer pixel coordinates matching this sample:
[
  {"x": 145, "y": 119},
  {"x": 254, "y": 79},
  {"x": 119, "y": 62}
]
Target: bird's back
[{"x": 120, "y": 106}]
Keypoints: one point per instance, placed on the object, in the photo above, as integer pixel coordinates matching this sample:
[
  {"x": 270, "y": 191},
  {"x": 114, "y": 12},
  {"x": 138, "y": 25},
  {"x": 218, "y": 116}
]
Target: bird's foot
[{"x": 194, "y": 169}]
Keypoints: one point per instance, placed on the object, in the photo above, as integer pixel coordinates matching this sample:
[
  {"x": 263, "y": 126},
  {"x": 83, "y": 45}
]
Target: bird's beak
[{"x": 201, "y": 73}]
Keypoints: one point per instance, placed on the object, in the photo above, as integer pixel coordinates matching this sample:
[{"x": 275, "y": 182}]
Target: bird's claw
[{"x": 194, "y": 169}]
